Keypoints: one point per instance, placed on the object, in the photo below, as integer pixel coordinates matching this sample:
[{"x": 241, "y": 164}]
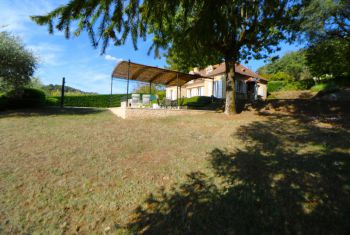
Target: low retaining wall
[{"x": 141, "y": 113}]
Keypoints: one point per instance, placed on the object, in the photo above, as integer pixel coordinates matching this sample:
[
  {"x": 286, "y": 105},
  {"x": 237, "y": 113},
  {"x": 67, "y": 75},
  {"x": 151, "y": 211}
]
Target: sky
[{"x": 75, "y": 59}]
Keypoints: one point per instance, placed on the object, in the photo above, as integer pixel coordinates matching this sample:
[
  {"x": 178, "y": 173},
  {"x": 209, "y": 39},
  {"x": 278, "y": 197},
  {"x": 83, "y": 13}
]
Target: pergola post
[
  {"x": 177, "y": 89},
  {"x": 110, "y": 98},
  {"x": 150, "y": 88},
  {"x": 127, "y": 86}
]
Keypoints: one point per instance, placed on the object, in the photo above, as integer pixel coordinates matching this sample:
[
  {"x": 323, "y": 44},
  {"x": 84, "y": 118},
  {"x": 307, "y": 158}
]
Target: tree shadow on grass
[
  {"x": 317, "y": 109},
  {"x": 290, "y": 177},
  {"x": 50, "y": 111}
]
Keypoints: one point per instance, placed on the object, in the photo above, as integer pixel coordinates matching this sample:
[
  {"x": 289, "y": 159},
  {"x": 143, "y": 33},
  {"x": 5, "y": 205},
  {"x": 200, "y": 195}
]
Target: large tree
[
  {"x": 325, "y": 19},
  {"x": 17, "y": 64},
  {"x": 232, "y": 29}
]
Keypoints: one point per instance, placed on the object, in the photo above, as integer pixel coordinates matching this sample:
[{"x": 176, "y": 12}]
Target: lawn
[{"x": 281, "y": 170}]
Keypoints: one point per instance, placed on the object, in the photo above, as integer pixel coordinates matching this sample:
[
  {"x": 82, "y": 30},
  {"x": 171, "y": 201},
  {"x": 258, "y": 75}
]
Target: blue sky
[{"x": 75, "y": 59}]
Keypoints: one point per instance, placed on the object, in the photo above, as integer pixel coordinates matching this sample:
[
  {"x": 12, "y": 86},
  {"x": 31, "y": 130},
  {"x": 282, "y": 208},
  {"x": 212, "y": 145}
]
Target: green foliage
[
  {"x": 3, "y": 101},
  {"x": 299, "y": 85},
  {"x": 144, "y": 89},
  {"x": 102, "y": 101},
  {"x": 291, "y": 67},
  {"x": 29, "y": 98},
  {"x": 36, "y": 83},
  {"x": 330, "y": 56},
  {"x": 196, "y": 101},
  {"x": 17, "y": 64},
  {"x": 274, "y": 86},
  {"x": 161, "y": 94},
  {"x": 281, "y": 76},
  {"x": 326, "y": 19}
]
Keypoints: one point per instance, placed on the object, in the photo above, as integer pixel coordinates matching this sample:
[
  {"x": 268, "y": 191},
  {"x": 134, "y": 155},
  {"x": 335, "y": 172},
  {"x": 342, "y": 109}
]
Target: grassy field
[{"x": 281, "y": 169}]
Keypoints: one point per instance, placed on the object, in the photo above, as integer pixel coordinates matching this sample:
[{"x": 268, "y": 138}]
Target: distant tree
[
  {"x": 236, "y": 30},
  {"x": 145, "y": 89},
  {"x": 17, "y": 64},
  {"x": 291, "y": 66},
  {"x": 326, "y": 24}
]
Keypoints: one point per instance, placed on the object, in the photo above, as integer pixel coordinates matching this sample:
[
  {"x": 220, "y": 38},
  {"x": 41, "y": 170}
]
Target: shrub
[{"x": 29, "y": 98}]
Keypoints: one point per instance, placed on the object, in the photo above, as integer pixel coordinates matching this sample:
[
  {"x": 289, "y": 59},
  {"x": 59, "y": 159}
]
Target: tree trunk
[{"x": 230, "y": 105}]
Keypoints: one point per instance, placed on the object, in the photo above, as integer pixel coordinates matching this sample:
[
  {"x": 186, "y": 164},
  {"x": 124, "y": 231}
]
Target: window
[
  {"x": 201, "y": 91},
  {"x": 218, "y": 89}
]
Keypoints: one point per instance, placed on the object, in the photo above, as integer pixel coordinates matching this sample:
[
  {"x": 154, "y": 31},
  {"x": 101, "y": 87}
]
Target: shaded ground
[{"x": 282, "y": 168}]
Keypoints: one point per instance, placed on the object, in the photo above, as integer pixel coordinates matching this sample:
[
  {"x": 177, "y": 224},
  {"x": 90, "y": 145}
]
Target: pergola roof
[{"x": 145, "y": 73}]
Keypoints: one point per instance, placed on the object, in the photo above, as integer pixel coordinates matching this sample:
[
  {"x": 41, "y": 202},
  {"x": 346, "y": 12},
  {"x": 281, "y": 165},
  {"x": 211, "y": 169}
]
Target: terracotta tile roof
[{"x": 220, "y": 69}]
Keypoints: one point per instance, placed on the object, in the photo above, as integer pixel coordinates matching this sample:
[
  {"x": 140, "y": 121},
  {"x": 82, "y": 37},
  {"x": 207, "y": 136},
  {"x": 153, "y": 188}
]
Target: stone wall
[{"x": 144, "y": 113}]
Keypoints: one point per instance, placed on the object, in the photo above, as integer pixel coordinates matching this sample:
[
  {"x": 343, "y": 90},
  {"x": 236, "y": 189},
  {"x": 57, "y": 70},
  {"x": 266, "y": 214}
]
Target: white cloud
[
  {"x": 47, "y": 53},
  {"x": 15, "y": 16},
  {"x": 112, "y": 58}
]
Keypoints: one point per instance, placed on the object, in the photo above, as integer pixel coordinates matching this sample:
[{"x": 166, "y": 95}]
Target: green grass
[
  {"x": 274, "y": 86},
  {"x": 325, "y": 87},
  {"x": 87, "y": 171}
]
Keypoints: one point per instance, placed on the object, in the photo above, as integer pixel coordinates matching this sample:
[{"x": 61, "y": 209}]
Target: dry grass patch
[
  {"x": 281, "y": 169},
  {"x": 86, "y": 170}
]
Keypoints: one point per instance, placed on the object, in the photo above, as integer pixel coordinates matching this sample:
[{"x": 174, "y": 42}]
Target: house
[{"x": 249, "y": 85}]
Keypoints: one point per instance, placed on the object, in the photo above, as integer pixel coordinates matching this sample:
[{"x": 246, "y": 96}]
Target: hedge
[{"x": 101, "y": 101}]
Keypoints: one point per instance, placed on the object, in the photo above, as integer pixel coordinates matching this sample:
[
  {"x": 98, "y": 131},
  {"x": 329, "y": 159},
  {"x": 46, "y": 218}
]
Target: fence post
[{"x": 62, "y": 92}]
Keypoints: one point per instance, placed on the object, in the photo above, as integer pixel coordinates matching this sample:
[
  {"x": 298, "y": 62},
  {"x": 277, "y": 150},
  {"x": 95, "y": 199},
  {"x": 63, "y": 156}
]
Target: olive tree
[{"x": 17, "y": 64}]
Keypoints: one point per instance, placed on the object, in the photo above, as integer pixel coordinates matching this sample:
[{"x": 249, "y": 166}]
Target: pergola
[{"x": 144, "y": 73}]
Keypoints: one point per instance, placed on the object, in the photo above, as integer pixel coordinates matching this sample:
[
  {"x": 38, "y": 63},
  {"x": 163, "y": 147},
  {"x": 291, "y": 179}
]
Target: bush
[
  {"x": 29, "y": 98},
  {"x": 196, "y": 101},
  {"x": 101, "y": 101}
]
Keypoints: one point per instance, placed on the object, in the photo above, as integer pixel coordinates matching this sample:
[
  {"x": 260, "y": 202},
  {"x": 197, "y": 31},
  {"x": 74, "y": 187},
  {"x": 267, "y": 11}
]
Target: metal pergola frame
[{"x": 138, "y": 72}]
